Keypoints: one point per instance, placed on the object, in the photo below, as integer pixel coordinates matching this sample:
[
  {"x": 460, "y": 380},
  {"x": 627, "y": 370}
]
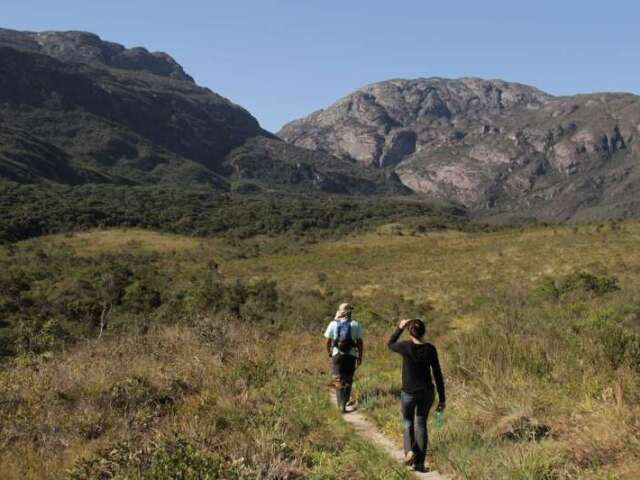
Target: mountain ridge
[
  {"x": 76, "y": 109},
  {"x": 86, "y": 47},
  {"x": 140, "y": 121},
  {"x": 499, "y": 148}
]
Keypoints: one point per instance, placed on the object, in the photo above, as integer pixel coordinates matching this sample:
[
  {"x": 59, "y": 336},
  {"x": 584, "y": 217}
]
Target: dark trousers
[
  {"x": 344, "y": 367},
  {"x": 415, "y": 410}
]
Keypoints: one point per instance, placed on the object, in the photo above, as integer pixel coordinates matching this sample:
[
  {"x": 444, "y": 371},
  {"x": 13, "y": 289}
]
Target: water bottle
[{"x": 440, "y": 420}]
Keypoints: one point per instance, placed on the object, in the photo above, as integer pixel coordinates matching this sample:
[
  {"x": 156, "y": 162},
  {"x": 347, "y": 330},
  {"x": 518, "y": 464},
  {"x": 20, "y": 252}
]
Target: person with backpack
[
  {"x": 419, "y": 362},
  {"x": 345, "y": 348}
]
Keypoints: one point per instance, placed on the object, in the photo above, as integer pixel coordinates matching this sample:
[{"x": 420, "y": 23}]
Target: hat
[{"x": 344, "y": 310}]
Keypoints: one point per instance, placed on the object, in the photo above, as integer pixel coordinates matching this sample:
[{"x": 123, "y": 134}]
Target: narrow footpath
[{"x": 368, "y": 431}]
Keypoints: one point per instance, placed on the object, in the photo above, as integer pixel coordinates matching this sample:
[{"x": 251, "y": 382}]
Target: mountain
[
  {"x": 503, "y": 150},
  {"x": 76, "y": 109},
  {"x": 84, "y": 47}
]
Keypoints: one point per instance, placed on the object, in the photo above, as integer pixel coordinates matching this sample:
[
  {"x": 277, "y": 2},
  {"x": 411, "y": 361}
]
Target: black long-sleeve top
[{"x": 418, "y": 361}]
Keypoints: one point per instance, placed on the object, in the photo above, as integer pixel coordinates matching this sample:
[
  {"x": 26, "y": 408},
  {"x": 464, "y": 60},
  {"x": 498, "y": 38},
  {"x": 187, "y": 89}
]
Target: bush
[
  {"x": 182, "y": 461},
  {"x": 605, "y": 329},
  {"x": 558, "y": 288},
  {"x": 178, "y": 460}
]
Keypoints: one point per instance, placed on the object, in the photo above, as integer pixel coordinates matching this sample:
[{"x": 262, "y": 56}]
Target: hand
[
  {"x": 403, "y": 323},
  {"x": 441, "y": 406},
  {"x": 359, "y": 361}
]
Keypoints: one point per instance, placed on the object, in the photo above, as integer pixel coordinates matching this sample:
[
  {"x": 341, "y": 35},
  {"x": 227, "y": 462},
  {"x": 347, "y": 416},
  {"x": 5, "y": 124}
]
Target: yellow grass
[
  {"x": 115, "y": 241},
  {"x": 472, "y": 281}
]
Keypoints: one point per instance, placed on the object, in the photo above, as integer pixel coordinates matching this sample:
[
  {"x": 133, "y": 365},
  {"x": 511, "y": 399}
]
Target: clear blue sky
[{"x": 282, "y": 59}]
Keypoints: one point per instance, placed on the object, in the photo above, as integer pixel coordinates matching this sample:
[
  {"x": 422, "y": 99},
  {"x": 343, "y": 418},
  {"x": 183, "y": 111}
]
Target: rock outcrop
[
  {"x": 496, "y": 147},
  {"x": 84, "y": 47}
]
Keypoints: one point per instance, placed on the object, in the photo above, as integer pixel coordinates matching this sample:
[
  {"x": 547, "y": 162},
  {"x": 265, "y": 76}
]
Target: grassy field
[{"x": 537, "y": 331}]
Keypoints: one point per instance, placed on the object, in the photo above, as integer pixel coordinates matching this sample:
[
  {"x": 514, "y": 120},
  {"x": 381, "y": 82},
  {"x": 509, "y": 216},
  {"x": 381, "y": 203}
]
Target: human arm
[
  {"x": 328, "y": 334},
  {"x": 360, "y": 345},
  {"x": 437, "y": 376},
  {"x": 393, "y": 343},
  {"x": 329, "y": 346}
]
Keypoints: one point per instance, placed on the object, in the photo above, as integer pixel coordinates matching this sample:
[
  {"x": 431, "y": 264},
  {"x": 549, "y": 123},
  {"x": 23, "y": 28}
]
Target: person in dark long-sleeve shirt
[{"x": 419, "y": 361}]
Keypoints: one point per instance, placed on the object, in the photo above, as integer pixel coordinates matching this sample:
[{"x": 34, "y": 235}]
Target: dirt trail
[{"x": 368, "y": 430}]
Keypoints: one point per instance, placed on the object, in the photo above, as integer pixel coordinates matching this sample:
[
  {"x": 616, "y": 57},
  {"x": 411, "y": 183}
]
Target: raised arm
[
  {"x": 437, "y": 376},
  {"x": 393, "y": 343}
]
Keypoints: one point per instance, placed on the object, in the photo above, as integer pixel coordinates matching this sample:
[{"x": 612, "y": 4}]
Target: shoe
[
  {"x": 420, "y": 468},
  {"x": 409, "y": 458},
  {"x": 349, "y": 408}
]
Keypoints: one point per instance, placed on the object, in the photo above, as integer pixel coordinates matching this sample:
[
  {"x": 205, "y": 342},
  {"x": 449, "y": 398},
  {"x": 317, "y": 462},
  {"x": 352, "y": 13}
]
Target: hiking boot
[{"x": 409, "y": 458}]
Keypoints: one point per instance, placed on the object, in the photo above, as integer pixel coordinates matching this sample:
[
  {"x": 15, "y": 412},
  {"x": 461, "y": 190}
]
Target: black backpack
[{"x": 343, "y": 341}]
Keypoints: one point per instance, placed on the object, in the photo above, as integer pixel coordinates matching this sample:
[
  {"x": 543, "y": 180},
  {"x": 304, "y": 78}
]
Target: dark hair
[{"x": 417, "y": 328}]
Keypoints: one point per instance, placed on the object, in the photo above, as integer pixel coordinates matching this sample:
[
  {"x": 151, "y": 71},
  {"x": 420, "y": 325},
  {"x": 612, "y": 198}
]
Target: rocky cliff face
[
  {"x": 84, "y": 47},
  {"x": 493, "y": 146}
]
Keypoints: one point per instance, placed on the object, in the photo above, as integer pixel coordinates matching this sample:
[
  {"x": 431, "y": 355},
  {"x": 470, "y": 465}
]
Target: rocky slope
[
  {"x": 502, "y": 149},
  {"x": 85, "y": 47},
  {"x": 76, "y": 109}
]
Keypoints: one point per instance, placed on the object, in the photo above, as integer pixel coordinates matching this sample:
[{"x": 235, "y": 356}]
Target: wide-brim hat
[{"x": 344, "y": 310}]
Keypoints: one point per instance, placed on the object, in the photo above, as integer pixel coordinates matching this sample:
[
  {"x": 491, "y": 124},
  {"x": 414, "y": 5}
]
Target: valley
[
  {"x": 540, "y": 352},
  {"x": 168, "y": 266}
]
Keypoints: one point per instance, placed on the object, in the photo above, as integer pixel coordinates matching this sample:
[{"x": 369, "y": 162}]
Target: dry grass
[
  {"x": 533, "y": 392},
  {"x": 114, "y": 241},
  {"x": 448, "y": 268},
  {"x": 120, "y": 403}
]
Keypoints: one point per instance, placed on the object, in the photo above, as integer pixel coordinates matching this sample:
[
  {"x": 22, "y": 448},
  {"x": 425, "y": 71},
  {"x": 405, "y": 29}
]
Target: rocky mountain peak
[
  {"x": 85, "y": 47},
  {"x": 383, "y": 123},
  {"x": 487, "y": 144}
]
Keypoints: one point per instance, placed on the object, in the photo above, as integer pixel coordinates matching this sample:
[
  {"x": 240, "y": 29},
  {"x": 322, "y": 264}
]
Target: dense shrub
[
  {"x": 557, "y": 288},
  {"x": 177, "y": 460},
  {"x": 605, "y": 328},
  {"x": 50, "y": 297},
  {"x": 29, "y": 211},
  {"x": 185, "y": 462}
]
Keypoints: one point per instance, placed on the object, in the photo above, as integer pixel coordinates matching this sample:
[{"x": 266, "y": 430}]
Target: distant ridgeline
[
  {"x": 75, "y": 110},
  {"x": 78, "y": 110}
]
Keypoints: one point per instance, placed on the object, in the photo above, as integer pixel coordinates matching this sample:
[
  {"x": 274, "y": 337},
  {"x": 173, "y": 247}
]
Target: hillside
[
  {"x": 504, "y": 150},
  {"x": 75, "y": 109},
  {"x": 194, "y": 371}
]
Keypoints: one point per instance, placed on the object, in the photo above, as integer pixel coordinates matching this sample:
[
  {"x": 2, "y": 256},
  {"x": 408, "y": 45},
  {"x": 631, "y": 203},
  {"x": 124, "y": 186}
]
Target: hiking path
[{"x": 367, "y": 430}]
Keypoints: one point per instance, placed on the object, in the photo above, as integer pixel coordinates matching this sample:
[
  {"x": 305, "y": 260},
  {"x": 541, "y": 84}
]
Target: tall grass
[
  {"x": 178, "y": 403},
  {"x": 537, "y": 331}
]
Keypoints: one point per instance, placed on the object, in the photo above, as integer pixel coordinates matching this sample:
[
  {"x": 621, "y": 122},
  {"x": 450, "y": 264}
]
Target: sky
[{"x": 283, "y": 59}]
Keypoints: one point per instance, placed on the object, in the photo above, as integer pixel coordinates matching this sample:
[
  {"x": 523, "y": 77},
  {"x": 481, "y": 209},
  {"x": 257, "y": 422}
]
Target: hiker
[
  {"x": 419, "y": 361},
  {"x": 345, "y": 348}
]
